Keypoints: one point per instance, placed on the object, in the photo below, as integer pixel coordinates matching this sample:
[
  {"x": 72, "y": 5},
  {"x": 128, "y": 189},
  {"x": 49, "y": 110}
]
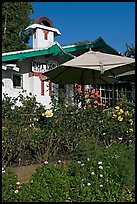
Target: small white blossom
[
  {"x": 3, "y": 172},
  {"x": 101, "y": 175},
  {"x": 59, "y": 161},
  {"x": 106, "y": 180},
  {"x": 92, "y": 173},
  {"x": 88, "y": 184},
  {"x": 101, "y": 185},
  {"x": 79, "y": 162},
  {"x": 2, "y": 168},
  {"x": 45, "y": 162},
  {"x": 83, "y": 179},
  {"x": 104, "y": 133},
  {"x": 120, "y": 138},
  {"x": 88, "y": 159},
  {"x": 100, "y": 167},
  {"x": 82, "y": 164},
  {"x": 16, "y": 191},
  {"x": 99, "y": 162},
  {"x": 18, "y": 183}
]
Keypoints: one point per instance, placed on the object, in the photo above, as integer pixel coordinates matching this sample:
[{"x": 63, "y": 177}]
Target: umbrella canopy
[
  {"x": 127, "y": 76},
  {"x": 91, "y": 68}
]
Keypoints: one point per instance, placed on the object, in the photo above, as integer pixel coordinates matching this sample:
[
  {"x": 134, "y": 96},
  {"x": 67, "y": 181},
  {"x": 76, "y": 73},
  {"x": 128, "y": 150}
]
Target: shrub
[
  {"x": 108, "y": 177},
  {"x": 48, "y": 184},
  {"x": 9, "y": 187},
  {"x": 31, "y": 133}
]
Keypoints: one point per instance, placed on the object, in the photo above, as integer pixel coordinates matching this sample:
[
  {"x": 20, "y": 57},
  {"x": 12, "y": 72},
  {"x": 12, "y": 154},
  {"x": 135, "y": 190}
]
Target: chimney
[{"x": 43, "y": 33}]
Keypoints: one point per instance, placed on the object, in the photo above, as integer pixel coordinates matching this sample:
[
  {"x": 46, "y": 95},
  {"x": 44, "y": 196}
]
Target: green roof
[{"x": 65, "y": 51}]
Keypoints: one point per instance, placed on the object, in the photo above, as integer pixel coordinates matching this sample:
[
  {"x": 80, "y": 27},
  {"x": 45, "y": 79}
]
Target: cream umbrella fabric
[{"x": 91, "y": 68}]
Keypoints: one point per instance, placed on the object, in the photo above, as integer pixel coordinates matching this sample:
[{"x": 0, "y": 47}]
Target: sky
[{"x": 79, "y": 21}]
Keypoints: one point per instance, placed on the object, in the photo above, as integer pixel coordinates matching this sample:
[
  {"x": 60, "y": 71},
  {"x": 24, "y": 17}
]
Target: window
[
  {"x": 46, "y": 35},
  {"x": 17, "y": 81}
]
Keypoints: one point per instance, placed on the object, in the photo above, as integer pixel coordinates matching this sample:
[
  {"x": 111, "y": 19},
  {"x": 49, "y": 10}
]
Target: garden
[{"x": 86, "y": 153}]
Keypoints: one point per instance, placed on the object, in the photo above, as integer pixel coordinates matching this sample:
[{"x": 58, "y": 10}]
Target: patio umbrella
[
  {"x": 127, "y": 76},
  {"x": 91, "y": 68}
]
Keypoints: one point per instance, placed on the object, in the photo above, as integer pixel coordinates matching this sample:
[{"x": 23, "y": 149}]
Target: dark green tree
[
  {"x": 82, "y": 43},
  {"x": 130, "y": 51},
  {"x": 15, "y": 18}
]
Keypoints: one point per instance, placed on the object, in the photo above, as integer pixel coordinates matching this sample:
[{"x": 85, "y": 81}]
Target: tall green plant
[{"x": 15, "y": 18}]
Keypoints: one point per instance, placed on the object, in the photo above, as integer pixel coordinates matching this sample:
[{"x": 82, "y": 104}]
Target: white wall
[
  {"x": 30, "y": 84},
  {"x": 40, "y": 42}
]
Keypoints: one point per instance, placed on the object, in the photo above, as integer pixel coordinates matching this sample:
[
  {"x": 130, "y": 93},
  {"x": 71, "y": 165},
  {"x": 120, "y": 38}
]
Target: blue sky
[{"x": 79, "y": 21}]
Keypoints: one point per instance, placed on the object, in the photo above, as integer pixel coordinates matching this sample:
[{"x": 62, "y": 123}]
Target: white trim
[
  {"x": 4, "y": 67},
  {"x": 35, "y": 25},
  {"x": 29, "y": 50}
]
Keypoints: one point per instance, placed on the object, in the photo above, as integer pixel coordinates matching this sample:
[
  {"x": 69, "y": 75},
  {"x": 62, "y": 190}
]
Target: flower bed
[{"x": 89, "y": 134}]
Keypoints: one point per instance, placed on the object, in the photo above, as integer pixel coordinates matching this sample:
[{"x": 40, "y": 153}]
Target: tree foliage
[
  {"x": 15, "y": 18},
  {"x": 130, "y": 51},
  {"x": 82, "y": 43}
]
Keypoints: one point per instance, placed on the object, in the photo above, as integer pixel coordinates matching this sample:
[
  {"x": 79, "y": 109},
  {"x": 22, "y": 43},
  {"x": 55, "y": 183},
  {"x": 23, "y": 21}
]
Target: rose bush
[{"x": 31, "y": 134}]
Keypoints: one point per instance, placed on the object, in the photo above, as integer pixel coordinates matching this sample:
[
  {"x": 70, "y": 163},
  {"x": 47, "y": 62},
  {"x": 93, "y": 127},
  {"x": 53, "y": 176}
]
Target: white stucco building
[{"x": 23, "y": 70}]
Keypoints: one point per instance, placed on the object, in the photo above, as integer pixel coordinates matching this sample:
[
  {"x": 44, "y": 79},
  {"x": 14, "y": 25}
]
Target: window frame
[{"x": 21, "y": 81}]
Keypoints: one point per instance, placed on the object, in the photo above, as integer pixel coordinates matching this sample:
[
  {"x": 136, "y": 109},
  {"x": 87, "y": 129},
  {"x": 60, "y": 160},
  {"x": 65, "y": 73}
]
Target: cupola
[{"x": 43, "y": 32}]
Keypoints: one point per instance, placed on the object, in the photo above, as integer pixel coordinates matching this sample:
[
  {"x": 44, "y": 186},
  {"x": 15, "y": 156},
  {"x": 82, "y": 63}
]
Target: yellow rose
[
  {"x": 43, "y": 114},
  {"x": 126, "y": 113},
  {"x": 117, "y": 108},
  {"x": 48, "y": 113},
  {"x": 130, "y": 115},
  {"x": 120, "y": 118},
  {"x": 131, "y": 130},
  {"x": 131, "y": 121},
  {"x": 121, "y": 111},
  {"x": 114, "y": 115},
  {"x": 85, "y": 107}
]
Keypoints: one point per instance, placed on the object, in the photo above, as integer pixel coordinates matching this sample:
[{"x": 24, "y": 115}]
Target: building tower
[{"x": 43, "y": 33}]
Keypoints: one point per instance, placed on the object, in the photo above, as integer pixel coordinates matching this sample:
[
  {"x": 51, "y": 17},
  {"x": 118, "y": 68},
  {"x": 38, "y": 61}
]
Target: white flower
[
  {"x": 101, "y": 175},
  {"x": 88, "y": 184},
  {"x": 92, "y": 173},
  {"x": 45, "y": 162},
  {"x": 59, "y": 161},
  {"x": 88, "y": 159},
  {"x": 99, "y": 162},
  {"x": 2, "y": 168},
  {"x": 79, "y": 162},
  {"x": 100, "y": 167},
  {"x": 120, "y": 138},
  {"x": 106, "y": 180},
  {"x": 101, "y": 185},
  {"x": 16, "y": 191},
  {"x": 18, "y": 183},
  {"x": 3, "y": 172},
  {"x": 104, "y": 133},
  {"x": 82, "y": 164},
  {"x": 83, "y": 179}
]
